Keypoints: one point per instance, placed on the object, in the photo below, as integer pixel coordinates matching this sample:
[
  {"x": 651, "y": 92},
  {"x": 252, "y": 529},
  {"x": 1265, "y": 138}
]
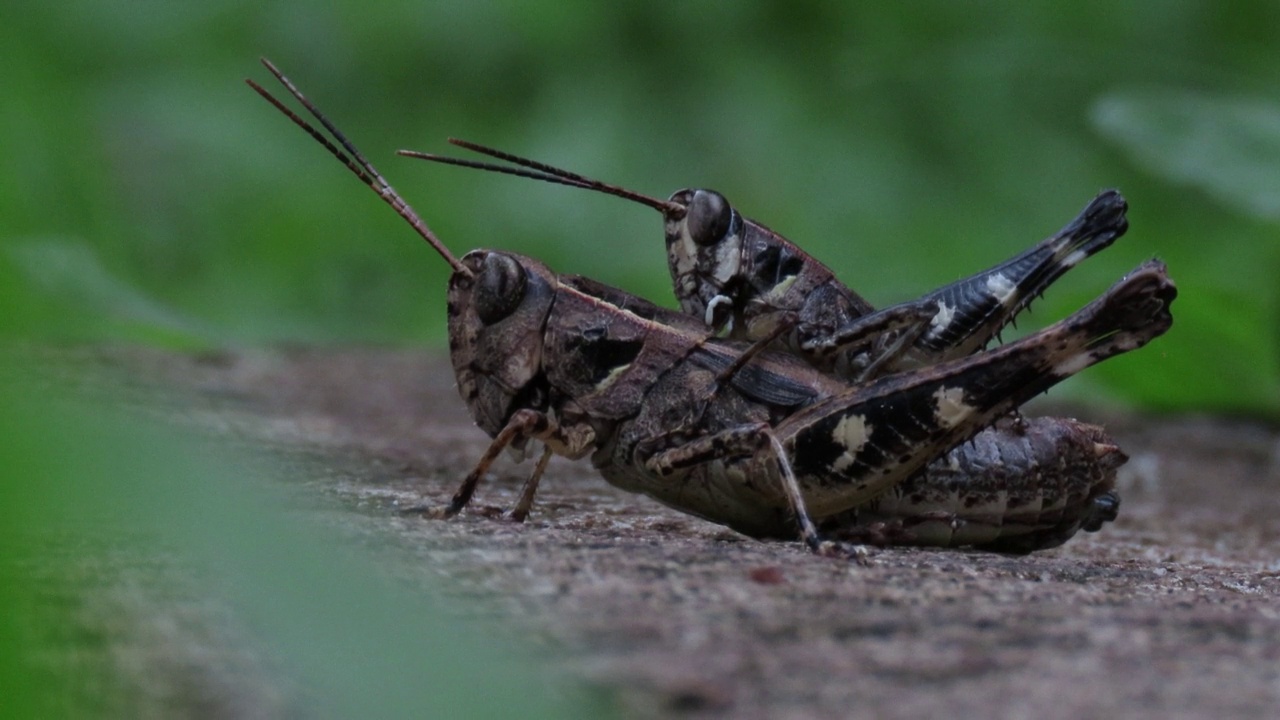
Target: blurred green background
[{"x": 149, "y": 195}]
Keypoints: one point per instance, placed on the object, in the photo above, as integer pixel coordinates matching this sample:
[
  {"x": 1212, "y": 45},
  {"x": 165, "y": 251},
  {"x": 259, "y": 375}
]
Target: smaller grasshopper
[{"x": 764, "y": 444}]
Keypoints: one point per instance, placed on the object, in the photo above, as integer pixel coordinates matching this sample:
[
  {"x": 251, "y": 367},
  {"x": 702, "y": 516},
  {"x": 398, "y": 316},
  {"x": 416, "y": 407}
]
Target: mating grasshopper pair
[{"x": 809, "y": 441}]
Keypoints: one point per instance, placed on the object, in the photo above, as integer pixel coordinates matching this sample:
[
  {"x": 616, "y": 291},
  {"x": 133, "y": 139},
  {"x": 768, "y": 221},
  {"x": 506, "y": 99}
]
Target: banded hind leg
[{"x": 851, "y": 448}]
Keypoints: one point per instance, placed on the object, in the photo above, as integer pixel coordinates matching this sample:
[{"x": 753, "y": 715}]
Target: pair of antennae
[
  {"x": 355, "y": 161},
  {"x": 547, "y": 173}
]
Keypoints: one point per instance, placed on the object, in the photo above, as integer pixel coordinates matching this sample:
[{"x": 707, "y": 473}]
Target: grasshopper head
[
  {"x": 498, "y": 302},
  {"x": 704, "y": 252},
  {"x": 735, "y": 274},
  {"x": 497, "y": 312}
]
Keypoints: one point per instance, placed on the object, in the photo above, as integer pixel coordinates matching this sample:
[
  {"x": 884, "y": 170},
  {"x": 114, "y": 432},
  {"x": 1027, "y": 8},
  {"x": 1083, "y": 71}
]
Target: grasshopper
[
  {"x": 752, "y": 439},
  {"x": 1021, "y": 485}
]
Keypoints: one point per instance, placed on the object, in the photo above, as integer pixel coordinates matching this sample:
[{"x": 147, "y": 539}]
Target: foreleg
[{"x": 525, "y": 424}]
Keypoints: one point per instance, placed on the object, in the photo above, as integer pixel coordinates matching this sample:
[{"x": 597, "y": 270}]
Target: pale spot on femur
[
  {"x": 1001, "y": 288},
  {"x": 951, "y": 409},
  {"x": 852, "y": 433},
  {"x": 1073, "y": 364},
  {"x": 939, "y": 323}
]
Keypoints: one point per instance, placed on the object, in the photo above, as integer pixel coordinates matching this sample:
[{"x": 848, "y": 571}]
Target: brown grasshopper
[
  {"x": 755, "y": 440},
  {"x": 1021, "y": 485}
]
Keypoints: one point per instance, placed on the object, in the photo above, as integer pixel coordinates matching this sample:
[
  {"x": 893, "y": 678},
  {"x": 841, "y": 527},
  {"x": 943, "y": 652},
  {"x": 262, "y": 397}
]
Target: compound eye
[
  {"x": 499, "y": 288},
  {"x": 709, "y": 217}
]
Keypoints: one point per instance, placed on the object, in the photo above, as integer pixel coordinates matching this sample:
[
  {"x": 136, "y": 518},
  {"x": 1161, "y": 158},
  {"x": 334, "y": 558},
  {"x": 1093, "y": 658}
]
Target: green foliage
[
  {"x": 906, "y": 145},
  {"x": 91, "y": 503},
  {"x": 1227, "y": 146}
]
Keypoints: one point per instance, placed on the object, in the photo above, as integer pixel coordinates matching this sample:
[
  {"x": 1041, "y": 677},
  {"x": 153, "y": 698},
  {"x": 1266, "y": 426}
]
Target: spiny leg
[
  {"x": 973, "y": 310},
  {"x": 787, "y": 478}
]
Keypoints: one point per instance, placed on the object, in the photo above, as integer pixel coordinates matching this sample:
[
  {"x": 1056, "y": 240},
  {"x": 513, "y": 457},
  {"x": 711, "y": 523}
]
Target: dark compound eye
[
  {"x": 499, "y": 288},
  {"x": 709, "y": 217}
]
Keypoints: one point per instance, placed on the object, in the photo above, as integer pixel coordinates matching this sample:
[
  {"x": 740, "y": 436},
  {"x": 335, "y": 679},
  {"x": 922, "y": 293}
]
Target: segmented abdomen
[{"x": 1019, "y": 486}]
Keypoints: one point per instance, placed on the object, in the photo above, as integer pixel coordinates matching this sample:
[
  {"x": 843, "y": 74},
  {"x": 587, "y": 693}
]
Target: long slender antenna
[
  {"x": 547, "y": 173},
  {"x": 355, "y": 162},
  {"x": 494, "y": 167}
]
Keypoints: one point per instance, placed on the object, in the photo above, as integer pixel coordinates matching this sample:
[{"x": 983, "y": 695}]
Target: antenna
[
  {"x": 547, "y": 173},
  {"x": 354, "y": 161},
  {"x": 492, "y": 167}
]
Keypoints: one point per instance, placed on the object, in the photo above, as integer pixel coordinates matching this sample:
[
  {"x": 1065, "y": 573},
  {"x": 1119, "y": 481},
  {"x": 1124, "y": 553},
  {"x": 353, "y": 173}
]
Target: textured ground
[{"x": 1171, "y": 612}]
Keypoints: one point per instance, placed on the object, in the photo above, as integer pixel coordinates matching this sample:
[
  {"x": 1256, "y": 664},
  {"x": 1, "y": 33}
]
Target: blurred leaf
[
  {"x": 1228, "y": 146},
  {"x": 905, "y": 145},
  {"x": 72, "y": 273},
  {"x": 357, "y": 643}
]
